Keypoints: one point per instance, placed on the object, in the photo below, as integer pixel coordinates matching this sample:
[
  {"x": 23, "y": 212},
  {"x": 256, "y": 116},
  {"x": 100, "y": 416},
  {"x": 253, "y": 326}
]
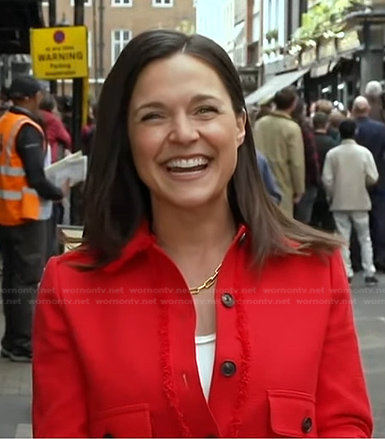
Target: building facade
[
  {"x": 247, "y": 52},
  {"x": 215, "y": 20},
  {"x": 113, "y": 23},
  {"x": 329, "y": 48}
]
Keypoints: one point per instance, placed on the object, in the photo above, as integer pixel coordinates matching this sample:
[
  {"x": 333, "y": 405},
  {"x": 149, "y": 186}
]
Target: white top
[
  {"x": 349, "y": 168},
  {"x": 205, "y": 355}
]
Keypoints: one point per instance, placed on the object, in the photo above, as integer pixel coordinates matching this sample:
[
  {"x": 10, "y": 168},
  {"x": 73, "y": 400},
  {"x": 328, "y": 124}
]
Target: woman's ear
[{"x": 241, "y": 127}]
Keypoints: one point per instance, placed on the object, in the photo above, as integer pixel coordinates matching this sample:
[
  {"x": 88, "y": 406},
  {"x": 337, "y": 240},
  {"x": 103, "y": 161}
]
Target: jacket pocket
[
  {"x": 121, "y": 422},
  {"x": 292, "y": 413}
]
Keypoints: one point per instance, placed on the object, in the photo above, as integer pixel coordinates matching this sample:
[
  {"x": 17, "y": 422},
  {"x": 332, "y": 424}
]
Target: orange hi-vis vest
[{"x": 18, "y": 202}]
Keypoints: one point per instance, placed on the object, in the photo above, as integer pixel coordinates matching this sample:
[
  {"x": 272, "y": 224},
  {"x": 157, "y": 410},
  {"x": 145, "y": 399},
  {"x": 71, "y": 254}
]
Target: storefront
[
  {"x": 334, "y": 69},
  {"x": 16, "y": 20}
]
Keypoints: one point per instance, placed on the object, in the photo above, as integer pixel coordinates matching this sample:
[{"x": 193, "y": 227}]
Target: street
[{"x": 15, "y": 379}]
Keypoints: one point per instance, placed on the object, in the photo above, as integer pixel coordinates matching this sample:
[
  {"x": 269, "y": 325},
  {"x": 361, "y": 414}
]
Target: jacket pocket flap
[
  {"x": 126, "y": 421},
  {"x": 292, "y": 414}
]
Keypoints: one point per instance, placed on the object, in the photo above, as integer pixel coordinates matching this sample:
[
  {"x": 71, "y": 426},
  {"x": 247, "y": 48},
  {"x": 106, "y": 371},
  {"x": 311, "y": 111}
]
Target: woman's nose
[{"x": 183, "y": 131}]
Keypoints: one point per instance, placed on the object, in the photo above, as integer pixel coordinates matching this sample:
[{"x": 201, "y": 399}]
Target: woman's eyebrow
[
  {"x": 160, "y": 105},
  {"x": 154, "y": 104}
]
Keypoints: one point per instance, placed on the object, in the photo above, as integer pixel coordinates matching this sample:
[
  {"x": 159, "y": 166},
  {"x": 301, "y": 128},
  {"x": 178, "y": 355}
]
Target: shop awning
[
  {"x": 17, "y": 17},
  {"x": 268, "y": 90}
]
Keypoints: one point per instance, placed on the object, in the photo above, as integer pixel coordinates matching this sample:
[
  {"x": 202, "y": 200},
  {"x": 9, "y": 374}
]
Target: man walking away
[
  {"x": 322, "y": 217},
  {"x": 349, "y": 168},
  {"x": 372, "y": 135},
  {"x": 304, "y": 209},
  {"x": 375, "y": 96},
  {"x": 279, "y": 138},
  {"x": 24, "y": 210}
]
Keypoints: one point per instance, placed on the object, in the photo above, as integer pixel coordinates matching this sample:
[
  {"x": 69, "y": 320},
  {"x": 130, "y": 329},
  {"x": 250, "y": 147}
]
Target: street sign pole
[
  {"x": 52, "y": 23},
  {"x": 77, "y": 88},
  {"x": 76, "y": 197}
]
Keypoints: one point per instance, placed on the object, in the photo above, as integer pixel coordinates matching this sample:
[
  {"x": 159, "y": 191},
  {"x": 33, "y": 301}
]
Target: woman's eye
[
  {"x": 205, "y": 110},
  {"x": 151, "y": 116}
]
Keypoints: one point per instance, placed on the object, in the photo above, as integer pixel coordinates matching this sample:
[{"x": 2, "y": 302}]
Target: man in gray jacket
[{"x": 349, "y": 168}]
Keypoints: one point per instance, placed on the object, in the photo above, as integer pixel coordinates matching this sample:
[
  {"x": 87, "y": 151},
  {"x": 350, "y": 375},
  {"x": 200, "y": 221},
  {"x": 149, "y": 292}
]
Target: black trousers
[
  {"x": 23, "y": 250},
  {"x": 53, "y": 246},
  {"x": 377, "y": 228},
  {"x": 322, "y": 218}
]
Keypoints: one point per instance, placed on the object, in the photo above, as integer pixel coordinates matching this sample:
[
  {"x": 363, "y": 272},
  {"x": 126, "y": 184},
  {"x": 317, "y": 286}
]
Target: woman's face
[{"x": 184, "y": 132}]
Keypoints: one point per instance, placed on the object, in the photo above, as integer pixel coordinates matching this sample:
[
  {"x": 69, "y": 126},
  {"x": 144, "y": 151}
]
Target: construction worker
[{"x": 25, "y": 206}]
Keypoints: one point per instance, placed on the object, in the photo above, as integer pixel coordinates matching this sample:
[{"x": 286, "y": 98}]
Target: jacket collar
[
  {"x": 144, "y": 239},
  {"x": 278, "y": 113},
  {"x": 23, "y": 111},
  {"x": 141, "y": 241},
  {"x": 348, "y": 142}
]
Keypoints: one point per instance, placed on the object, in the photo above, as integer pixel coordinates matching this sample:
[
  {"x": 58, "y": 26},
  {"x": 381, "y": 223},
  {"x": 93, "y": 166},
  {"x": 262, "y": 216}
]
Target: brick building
[{"x": 121, "y": 20}]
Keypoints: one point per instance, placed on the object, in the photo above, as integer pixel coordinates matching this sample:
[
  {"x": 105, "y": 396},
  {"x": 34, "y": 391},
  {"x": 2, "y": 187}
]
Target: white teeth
[{"x": 187, "y": 163}]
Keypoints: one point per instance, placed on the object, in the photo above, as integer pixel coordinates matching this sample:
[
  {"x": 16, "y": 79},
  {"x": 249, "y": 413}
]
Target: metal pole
[
  {"x": 77, "y": 113},
  {"x": 77, "y": 88},
  {"x": 52, "y": 23},
  {"x": 101, "y": 39},
  {"x": 95, "y": 49}
]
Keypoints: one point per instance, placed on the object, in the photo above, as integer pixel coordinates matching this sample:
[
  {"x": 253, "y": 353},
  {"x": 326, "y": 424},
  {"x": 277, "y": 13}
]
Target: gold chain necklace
[{"x": 209, "y": 282}]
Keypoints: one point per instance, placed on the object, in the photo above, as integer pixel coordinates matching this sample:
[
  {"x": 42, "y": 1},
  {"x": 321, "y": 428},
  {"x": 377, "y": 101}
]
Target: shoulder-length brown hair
[{"x": 117, "y": 201}]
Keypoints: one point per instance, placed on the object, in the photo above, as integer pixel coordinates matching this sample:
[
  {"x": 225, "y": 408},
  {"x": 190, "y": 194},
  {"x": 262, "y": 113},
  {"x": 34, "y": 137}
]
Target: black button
[
  {"x": 228, "y": 368},
  {"x": 211, "y": 435},
  {"x": 228, "y": 300},
  {"x": 307, "y": 425},
  {"x": 242, "y": 239},
  {"x": 108, "y": 435}
]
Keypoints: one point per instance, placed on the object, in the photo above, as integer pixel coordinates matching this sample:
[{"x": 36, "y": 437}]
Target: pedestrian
[
  {"x": 349, "y": 169},
  {"x": 88, "y": 132},
  {"x": 268, "y": 178},
  {"x": 321, "y": 215},
  {"x": 375, "y": 96},
  {"x": 325, "y": 106},
  {"x": 57, "y": 135},
  {"x": 304, "y": 209},
  {"x": 180, "y": 314},
  {"x": 371, "y": 134},
  {"x": 25, "y": 207},
  {"x": 279, "y": 139},
  {"x": 60, "y": 143},
  {"x": 335, "y": 119}
]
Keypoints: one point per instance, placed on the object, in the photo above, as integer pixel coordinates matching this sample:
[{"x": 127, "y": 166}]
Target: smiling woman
[
  {"x": 195, "y": 275},
  {"x": 184, "y": 144}
]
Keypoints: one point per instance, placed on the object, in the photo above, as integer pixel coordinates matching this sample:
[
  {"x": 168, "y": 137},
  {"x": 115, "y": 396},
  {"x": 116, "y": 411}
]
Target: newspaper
[{"x": 72, "y": 168}]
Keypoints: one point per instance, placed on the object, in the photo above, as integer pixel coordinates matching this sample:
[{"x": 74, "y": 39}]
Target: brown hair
[
  {"x": 320, "y": 121},
  {"x": 117, "y": 201},
  {"x": 323, "y": 106},
  {"x": 285, "y": 98},
  {"x": 335, "y": 119}
]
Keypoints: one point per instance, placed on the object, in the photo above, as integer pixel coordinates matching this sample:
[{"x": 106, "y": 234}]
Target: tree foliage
[{"x": 327, "y": 17}]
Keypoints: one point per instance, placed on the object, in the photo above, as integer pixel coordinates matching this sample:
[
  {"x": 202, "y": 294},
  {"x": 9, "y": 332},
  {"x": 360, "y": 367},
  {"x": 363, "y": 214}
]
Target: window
[
  {"x": 86, "y": 2},
  {"x": 119, "y": 40},
  {"x": 121, "y": 3},
  {"x": 162, "y": 3}
]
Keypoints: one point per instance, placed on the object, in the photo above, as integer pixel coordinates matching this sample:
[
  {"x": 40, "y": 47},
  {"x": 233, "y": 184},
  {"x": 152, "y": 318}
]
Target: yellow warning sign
[{"x": 59, "y": 52}]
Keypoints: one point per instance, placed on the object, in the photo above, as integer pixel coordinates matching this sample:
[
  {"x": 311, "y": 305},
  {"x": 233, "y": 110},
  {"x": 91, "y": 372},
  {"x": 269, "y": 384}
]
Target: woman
[
  {"x": 57, "y": 135},
  {"x": 187, "y": 312},
  {"x": 303, "y": 210}
]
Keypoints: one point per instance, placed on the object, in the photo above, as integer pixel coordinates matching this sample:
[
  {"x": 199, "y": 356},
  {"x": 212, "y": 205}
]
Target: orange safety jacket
[{"x": 18, "y": 201}]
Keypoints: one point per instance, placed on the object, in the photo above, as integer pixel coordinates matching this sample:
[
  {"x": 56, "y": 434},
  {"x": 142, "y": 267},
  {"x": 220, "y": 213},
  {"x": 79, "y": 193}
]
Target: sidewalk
[{"x": 15, "y": 396}]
